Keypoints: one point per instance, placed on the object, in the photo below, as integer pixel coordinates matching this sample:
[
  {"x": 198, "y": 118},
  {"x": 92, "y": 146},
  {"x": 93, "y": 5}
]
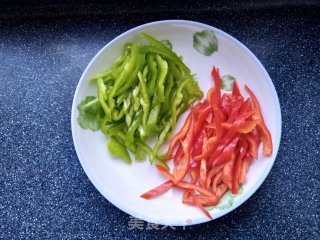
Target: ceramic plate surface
[{"x": 122, "y": 184}]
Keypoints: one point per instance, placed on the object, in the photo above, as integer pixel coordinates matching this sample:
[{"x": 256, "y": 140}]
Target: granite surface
[{"x": 44, "y": 192}]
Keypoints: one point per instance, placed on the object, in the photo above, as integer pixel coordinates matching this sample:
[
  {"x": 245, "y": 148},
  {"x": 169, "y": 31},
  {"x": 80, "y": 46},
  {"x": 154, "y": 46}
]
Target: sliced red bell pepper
[
  {"x": 216, "y": 181},
  {"x": 266, "y": 138},
  {"x": 265, "y": 134},
  {"x": 221, "y": 190},
  {"x": 238, "y": 165},
  {"x": 190, "y": 186},
  {"x": 253, "y": 145},
  {"x": 255, "y": 133},
  {"x": 180, "y": 172},
  {"x": 203, "y": 200},
  {"x": 226, "y": 153},
  {"x": 178, "y": 156},
  {"x": 244, "y": 169},
  {"x": 236, "y": 104},
  {"x": 158, "y": 190},
  {"x": 179, "y": 136},
  {"x": 226, "y": 103},
  {"x": 203, "y": 113},
  {"x": 203, "y": 169},
  {"x": 222, "y": 135},
  {"x": 194, "y": 173},
  {"x": 248, "y": 126},
  {"x": 197, "y": 147},
  {"x": 164, "y": 171},
  {"x": 213, "y": 171},
  {"x": 217, "y": 85},
  {"x": 228, "y": 171},
  {"x": 203, "y": 173},
  {"x": 199, "y": 205},
  {"x": 245, "y": 107},
  {"x": 236, "y": 90}
]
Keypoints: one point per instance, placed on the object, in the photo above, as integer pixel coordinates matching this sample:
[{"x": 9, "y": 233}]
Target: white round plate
[{"x": 122, "y": 184}]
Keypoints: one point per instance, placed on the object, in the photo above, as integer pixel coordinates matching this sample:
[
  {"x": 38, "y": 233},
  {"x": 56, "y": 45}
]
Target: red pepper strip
[
  {"x": 198, "y": 107},
  {"x": 203, "y": 170},
  {"x": 164, "y": 172},
  {"x": 236, "y": 104},
  {"x": 245, "y": 107},
  {"x": 236, "y": 90},
  {"x": 238, "y": 165},
  {"x": 255, "y": 133},
  {"x": 265, "y": 134},
  {"x": 215, "y": 150},
  {"x": 217, "y": 84},
  {"x": 198, "y": 204},
  {"x": 218, "y": 121},
  {"x": 203, "y": 200},
  {"x": 180, "y": 173},
  {"x": 186, "y": 198},
  {"x": 216, "y": 181},
  {"x": 217, "y": 111},
  {"x": 226, "y": 153},
  {"x": 203, "y": 167},
  {"x": 244, "y": 169},
  {"x": 211, "y": 174},
  {"x": 228, "y": 170},
  {"x": 210, "y": 95},
  {"x": 209, "y": 147},
  {"x": 253, "y": 145},
  {"x": 201, "y": 118},
  {"x": 197, "y": 147},
  {"x": 241, "y": 125},
  {"x": 158, "y": 190},
  {"x": 194, "y": 173},
  {"x": 178, "y": 156},
  {"x": 248, "y": 126},
  {"x": 221, "y": 190},
  {"x": 266, "y": 138},
  {"x": 190, "y": 186},
  {"x": 179, "y": 136},
  {"x": 212, "y": 143},
  {"x": 226, "y": 103}
]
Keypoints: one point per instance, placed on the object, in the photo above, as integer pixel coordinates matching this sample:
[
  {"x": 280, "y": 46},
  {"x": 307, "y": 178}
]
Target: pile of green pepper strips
[{"x": 141, "y": 95}]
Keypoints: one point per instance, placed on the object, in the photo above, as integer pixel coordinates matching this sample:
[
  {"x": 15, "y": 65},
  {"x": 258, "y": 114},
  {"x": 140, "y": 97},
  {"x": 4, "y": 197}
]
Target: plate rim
[{"x": 202, "y": 219}]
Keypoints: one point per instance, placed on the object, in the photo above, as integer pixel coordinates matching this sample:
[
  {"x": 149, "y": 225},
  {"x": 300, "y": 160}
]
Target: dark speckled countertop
[{"x": 44, "y": 48}]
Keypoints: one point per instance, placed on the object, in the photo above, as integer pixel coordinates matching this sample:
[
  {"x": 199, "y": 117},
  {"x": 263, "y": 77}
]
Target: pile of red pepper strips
[{"x": 215, "y": 147}]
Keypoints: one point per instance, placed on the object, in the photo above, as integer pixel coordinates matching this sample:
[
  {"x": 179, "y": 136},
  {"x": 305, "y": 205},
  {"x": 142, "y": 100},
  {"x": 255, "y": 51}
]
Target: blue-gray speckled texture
[{"x": 44, "y": 192}]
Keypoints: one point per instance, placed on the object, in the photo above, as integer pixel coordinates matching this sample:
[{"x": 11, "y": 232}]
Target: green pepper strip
[
  {"x": 135, "y": 124},
  {"x": 178, "y": 96},
  {"x": 127, "y": 70},
  {"x": 159, "y": 143},
  {"x": 152, "y": 74},
  {"x": 162, "y": 49},
  {"x": 136, "y": 99},
  {"x": 108, "y": 74},
  {"x": 145, "y": 101},
  {"x": 117, "y": 115},
  {"x": 102, "y": 98},
  {"x": 121, "y": 98},
  {"x": 169, "y": 86},
  {"x": 117, "y": 149},
  {"x": 162, "y": 73},
  {"x": 154, "y": 115},
  {"x": 133, "y": 78},
  {"x": 176, "y": 72},
  {"x": 114, "y": 128},
  {"x": 132, "y": 146}
]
